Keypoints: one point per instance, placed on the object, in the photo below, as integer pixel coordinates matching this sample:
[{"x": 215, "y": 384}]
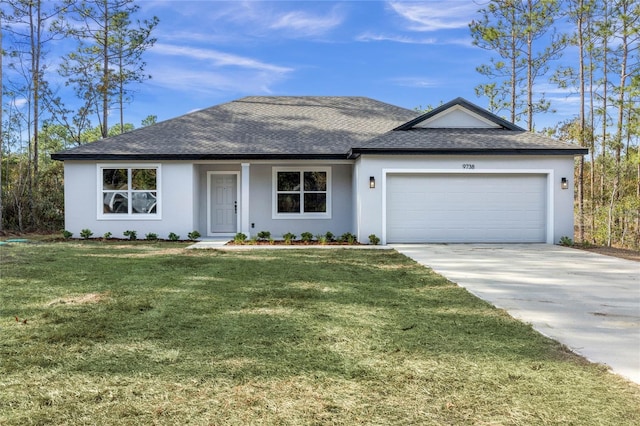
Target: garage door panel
[{"x": 466, "y": 208}]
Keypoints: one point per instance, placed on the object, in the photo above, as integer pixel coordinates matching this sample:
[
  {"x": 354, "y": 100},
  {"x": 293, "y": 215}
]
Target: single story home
[{"x": 457, "y": 174}]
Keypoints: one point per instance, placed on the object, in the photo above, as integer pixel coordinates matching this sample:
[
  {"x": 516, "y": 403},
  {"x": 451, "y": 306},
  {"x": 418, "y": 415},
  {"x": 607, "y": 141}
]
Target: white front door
[{"x": 222, "y": 203}]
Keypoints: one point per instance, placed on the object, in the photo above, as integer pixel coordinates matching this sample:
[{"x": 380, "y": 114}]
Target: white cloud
[
  {"x": 217, "y": 58},
  {"x": 419, "y": 82},
  {"x": 306, "y": 24},
  {"x": 434, "y": 16},
  {"x": 395, "y": 38}
]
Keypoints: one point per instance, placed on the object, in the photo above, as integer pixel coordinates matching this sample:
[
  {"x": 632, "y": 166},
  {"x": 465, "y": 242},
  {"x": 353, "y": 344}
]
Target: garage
[{"x": 466, "y": 208}]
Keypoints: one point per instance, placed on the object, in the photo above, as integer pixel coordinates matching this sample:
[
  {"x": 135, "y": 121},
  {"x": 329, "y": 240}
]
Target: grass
[{"x": 148, "y": 333}]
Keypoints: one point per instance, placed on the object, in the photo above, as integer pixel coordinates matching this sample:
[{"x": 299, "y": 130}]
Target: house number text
[{"x": 468, "y": 166}]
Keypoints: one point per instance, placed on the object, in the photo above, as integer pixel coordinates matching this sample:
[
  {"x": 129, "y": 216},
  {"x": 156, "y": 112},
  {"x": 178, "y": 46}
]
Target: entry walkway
[{"x": 587, "y": 301}]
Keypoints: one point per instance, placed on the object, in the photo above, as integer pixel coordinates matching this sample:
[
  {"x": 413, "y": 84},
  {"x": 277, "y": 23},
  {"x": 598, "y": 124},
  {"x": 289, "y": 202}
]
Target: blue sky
[{"x": 405, "y": 53}]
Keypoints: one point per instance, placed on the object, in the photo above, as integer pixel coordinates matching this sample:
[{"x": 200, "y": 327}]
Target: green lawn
[{"x": 143, "y": 333}]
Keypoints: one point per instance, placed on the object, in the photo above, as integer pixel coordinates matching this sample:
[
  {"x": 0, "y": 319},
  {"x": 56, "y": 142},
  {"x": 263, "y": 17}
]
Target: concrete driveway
[{"x": 587, "y": 301}]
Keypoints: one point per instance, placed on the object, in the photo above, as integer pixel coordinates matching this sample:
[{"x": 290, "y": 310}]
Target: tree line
[
  {"x": 103, "y": 63},
  {"x": 602, "y": 40},
  {"x": 528, "y": 40}
]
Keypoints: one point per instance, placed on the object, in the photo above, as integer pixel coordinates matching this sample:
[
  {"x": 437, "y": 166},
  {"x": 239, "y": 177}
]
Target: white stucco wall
[
  {"x": 176, "y": 202},
  {"x": 369, "y": 203}
]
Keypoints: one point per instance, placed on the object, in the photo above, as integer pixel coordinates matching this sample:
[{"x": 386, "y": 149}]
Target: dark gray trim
[
  {"x": 466, "y": 104},
  {"x": 193, "y": 157},
  {"x": 527, "y": 151}
]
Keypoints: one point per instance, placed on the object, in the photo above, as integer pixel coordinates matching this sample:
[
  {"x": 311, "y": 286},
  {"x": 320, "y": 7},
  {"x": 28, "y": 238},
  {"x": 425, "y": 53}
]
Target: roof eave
[
  {"x": 193, "y": 157},
  {"x": 355, "y": 152}
]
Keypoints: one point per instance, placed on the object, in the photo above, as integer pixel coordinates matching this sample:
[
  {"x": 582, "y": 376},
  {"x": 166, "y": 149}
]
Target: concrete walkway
[{"x": 587, "y": 301}]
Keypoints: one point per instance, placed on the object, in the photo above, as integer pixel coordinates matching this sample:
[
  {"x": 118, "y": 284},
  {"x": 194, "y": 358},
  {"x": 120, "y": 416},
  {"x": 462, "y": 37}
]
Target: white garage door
[{"x": 469, "y": 208}]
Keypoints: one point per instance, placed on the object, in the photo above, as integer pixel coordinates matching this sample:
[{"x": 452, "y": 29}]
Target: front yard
[{"x": 149, "y": 333}]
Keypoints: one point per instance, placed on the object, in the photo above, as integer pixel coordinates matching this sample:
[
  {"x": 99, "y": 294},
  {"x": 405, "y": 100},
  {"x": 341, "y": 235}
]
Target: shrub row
[
  {"x": 305, "y": 237},
  {"x": 132, "y": 235}
]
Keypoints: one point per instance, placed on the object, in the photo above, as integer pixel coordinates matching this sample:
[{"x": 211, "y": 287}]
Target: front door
[{"x": 223, "y": 203}]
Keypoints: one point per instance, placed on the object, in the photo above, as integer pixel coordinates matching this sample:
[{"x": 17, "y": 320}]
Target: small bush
[
  {"x": 289, "y": 237},
  {"x": 66, "y": 234},
  {"x": 106, "y": 235},
  {"x": 373, "y": 239},
  {"x": 329, "y": 236},
  {"x": 193, "y": 235},
  {"x": 151, "y": 236},
  {"x": 133, "y": 235},
  {"x": 173, "y": 236},
  {"x": 264, "y": 236},
  {"x": 322, "y": 238},
  {"x": 306, "y": 237},
  {"x": 239, "y": 238},
  {"x": 86, "y": 233},
  {"x": 348, "y": 238},
  {"x": 566, "y": 241}
]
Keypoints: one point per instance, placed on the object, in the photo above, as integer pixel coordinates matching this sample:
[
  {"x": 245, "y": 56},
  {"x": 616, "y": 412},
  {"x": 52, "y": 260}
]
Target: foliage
[
  {"x": 151, "y": 236},
  {"x": 66, "y": 234},
  {"x": 341, "y": 337},
  {"x": 264, "y": 235},
  {"x": 306, "y": 237},
  {"x": 329, "y": 236},
  {"x": 193, "y": 235},
  {"x": 289, "y": 237},
  {"x": 566, "y": 241},
  {"x": 106, "y": 235},
  {"x": 173, "y": 236},
  {"x": 86, "y": 234},
  {"x": 348, "y": 238},
  {"x": 321, "y": 238},
  {"x": 240, "y": 238},
  {"x": 132, "y": 235},
  {"x": 373, "y": 239}
]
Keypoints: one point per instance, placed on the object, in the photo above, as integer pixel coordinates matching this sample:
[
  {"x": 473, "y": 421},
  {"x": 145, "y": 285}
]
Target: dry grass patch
[{"x": 82, "y": 299}]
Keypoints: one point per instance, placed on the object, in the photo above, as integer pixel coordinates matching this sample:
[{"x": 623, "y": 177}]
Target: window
[
  {"x": 303, "y": 193},
  {"x": 128, "y": 192}
]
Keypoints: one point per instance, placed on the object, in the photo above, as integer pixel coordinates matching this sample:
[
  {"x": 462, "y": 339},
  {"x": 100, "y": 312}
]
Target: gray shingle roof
[
  {"x": 477, "y": 141},
  {"x": 255, "y": 127},
  {"x": 304, "y": 127}
]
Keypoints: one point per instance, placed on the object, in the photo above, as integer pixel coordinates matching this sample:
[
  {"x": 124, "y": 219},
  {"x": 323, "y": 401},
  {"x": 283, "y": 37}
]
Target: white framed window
[
  {"x": 128, "y": 191},
  {"x": 301, "y": 193}
]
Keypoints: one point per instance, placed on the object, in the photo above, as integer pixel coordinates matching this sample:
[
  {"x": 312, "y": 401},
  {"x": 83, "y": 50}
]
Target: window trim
[
  {"x": 101, "y": 215},
  {"x": 274, "y": 193}
]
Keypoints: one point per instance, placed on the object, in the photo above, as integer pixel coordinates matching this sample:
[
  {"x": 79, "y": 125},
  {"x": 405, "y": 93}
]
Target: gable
[{"x": 457, "y": 117}]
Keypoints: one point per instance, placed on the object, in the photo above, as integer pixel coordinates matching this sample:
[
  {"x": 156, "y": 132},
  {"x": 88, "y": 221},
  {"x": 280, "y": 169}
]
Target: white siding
[
  {"x": 81, "y": 211},
  {"x": 371, "y": 211}
]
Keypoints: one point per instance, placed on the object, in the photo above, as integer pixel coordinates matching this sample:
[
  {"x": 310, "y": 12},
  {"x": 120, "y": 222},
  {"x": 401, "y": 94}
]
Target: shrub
[
  {"x": 264, "y": 236},
  {"x": 329, "y": 236},
  {"x": 373, "y": 239},
  {"x": 193, "y": 235},
  {"x": 239, "y": 238},
  {"x": 133, "y": 235},
  {"x": 106, "y": 235},
  {"x": 288, "y": 237},
  {"x": 173, "y": 236},
  {"x": 306, "y": 237},
  {"x": 348, "y": 238},
  {"x": 566, "y": 241},
  {"x": 86, "y": 233},
  {"x": 322, "y": 238},
  {"x": 151, "y": 236},
  {"x": 66, "y": 234}
]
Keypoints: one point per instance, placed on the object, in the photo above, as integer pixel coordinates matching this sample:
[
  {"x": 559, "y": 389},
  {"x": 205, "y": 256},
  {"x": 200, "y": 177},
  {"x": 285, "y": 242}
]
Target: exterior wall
[
  {"x": 260, "y": 199},
  {"x": 176, "y": 202},
  {"x": 370, "y": 202}
]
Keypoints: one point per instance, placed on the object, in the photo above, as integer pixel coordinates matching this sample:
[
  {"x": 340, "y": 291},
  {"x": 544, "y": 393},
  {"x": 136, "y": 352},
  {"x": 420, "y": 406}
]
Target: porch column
[{"x": 244, "y": 200}]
